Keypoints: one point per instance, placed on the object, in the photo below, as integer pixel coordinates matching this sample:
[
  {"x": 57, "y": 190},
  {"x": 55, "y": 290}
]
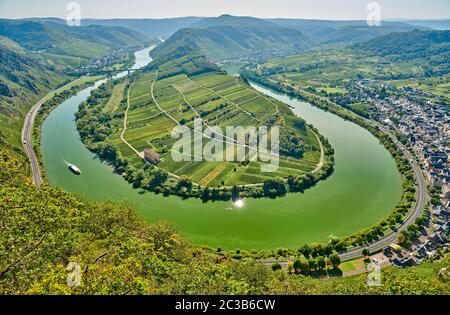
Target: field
[
  {"x": 221, "y": 101},
  {"x": 324, "y": 72},
  {"x": 437, "y": 86}
]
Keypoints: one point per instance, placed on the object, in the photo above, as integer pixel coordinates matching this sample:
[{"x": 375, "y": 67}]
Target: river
[{"x": 363, "y": 189}]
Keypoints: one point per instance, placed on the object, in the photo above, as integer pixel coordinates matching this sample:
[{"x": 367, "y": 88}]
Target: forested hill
[
  {"x": 324, "y": 32},
  {"x": 230, "y": 37},
  {"x": 149, "y": 27},
  {"x": 180, "y": 58},
  {"x": 431, "y": 48},
  {"x": 35, "y": 55},
  {"x": 90, "y": 41}
]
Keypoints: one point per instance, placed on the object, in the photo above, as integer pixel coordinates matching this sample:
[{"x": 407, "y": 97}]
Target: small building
[{"x": 151, "y": 156}]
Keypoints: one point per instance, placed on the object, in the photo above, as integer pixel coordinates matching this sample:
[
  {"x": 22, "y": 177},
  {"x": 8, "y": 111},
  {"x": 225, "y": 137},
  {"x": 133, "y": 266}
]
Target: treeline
[
  {"x": 407, "y": 201},
  {"x": 430, "y": 49},
  {"x": 94, "y": 125}
]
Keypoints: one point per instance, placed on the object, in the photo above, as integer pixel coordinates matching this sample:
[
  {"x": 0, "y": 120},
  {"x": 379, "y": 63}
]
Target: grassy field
[
  {"x": 220, "y": 100},
  {"x": 438, "y": 86},
  {"x": 323, "y": 72}
]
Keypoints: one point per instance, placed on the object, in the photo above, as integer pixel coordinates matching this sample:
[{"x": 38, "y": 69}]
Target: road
[
  {"x": 421, "y": 200},
  {"x": 27, "y": 134}
]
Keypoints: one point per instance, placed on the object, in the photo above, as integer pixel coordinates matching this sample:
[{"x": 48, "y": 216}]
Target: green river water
[{"x": 363, "y": 189}]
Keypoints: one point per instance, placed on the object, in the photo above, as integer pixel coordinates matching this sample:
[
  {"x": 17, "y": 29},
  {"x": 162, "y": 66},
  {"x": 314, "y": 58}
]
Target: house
[
  {"x": 151, "y": 156},
  {"x": 405, "y": 262}
]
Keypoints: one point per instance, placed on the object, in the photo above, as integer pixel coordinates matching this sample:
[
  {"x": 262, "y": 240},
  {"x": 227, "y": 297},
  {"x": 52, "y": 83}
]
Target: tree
[
  {"x": 274, "y": 187},
  {"x": 290, "y": 268},
  {"x": 321, "y": 263},
  {"x": 184, "y": 182},
  {"x": 305, "y": 250},
  {"x": 366, "y": 252},
  {"x": 335, "y": 260},
  {"x": 276, "y": 266},
  {"x": 301, "y": 266},
  {"x": 312, "y": 264},
  {"x": 235, "y": 193}
]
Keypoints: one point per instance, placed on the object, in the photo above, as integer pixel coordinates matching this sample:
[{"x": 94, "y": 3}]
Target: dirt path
[{"x": 125, "y": 120}]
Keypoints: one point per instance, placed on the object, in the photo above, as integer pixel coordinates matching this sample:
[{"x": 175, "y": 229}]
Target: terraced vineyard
[{"x": 218, "y": 99}]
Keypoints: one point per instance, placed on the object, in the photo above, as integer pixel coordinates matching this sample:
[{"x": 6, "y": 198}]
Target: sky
[{"x": 310, "y": 9}]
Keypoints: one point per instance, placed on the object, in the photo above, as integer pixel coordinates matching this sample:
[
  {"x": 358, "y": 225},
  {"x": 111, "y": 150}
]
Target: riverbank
[{"x": 53, "y": 100}]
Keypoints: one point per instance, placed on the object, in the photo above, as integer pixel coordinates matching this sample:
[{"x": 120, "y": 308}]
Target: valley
[{"x": 248, "y": 155}]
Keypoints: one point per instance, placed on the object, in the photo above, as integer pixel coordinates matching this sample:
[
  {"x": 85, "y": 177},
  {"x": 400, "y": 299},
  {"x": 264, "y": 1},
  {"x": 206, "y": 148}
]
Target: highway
[
  {"x": 385, "y": 241},
  {"x": 27, "y": 133},
  {"x": 421, "y": 200}
]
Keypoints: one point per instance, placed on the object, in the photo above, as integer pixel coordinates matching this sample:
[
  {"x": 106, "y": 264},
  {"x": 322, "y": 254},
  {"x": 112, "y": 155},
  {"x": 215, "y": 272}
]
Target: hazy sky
[{"x": 313, "y": 9}]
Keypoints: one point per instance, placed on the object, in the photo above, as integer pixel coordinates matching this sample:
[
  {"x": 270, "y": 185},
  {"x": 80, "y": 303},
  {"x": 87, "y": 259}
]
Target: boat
[{"x": 74, "y": 169}]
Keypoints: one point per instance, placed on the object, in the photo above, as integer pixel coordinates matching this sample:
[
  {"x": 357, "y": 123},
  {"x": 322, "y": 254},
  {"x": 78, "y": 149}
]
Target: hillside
[
  {"x": 429, "y": 48},
  {"x": 227, "y": 37},
  {"x": 150, "y": 27},
  {"x": 56, "y": 38},
  {"x": 35, "y": 55},
  {"x": 23, "y": 77},
  {"x": 325, "y": 32},
  {"x": 180, "y": 59}
]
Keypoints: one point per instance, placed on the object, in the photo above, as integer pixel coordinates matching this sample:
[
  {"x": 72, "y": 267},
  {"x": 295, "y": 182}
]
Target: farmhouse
[{"x": 151, "y": 156}]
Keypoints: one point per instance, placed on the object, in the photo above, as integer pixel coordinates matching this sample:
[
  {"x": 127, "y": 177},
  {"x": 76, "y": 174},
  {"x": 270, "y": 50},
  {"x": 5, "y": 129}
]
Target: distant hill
[
  {"x": 433, "y": 24},
  {"x": 321, "y": 32},
  {"x": 324, "y": 32},
  {"x": 149, "y": 27},
  {"x": 58, "y": 38},
  {"x": 34, "y": 55},
  {"x": 180, "y": 59},
  {"x": 429, "y": 48},
  {"x": 229, "y": 37}
]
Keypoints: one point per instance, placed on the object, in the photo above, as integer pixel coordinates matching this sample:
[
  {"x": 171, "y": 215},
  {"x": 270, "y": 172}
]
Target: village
[{"x": 424, "y": 127}]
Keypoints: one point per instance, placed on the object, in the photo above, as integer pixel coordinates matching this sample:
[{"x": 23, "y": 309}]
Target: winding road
[
  {"x": 27, "y": 133},
  {"x": 421, "y": 200},
  {"x": 416, "y": 212}
]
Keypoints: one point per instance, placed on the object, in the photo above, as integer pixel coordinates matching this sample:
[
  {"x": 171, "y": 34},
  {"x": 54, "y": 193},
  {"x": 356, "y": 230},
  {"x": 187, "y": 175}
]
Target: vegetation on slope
[
  {"x": 176, "y": 90},
  {"x": 45, "y": 229},
  {"x": 85, "y": 42},
  {"x": 227, "y": 37},
  {"x": 180, "y": 59},
  {"x": 323, "y": 32},
  {"x": 34, "y": 55},
  {"x": 431, "y": 48}
]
